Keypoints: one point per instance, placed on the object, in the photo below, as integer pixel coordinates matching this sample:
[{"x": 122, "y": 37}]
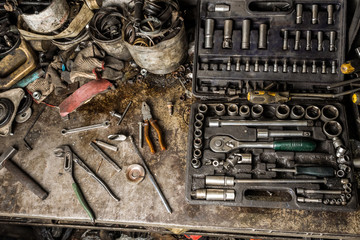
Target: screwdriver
[
  {"x": 350, "y": 66},
  {"x": 356, "y": 98},
  {"x": 311, "y": 171}
]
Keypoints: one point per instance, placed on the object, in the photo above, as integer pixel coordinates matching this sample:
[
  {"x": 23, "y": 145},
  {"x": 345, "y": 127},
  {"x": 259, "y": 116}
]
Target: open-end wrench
[{"x": 86, "y": 128}]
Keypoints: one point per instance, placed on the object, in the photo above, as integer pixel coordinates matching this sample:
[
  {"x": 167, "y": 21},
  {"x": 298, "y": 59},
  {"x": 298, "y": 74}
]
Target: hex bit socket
[{"x": 228, "y": 30}]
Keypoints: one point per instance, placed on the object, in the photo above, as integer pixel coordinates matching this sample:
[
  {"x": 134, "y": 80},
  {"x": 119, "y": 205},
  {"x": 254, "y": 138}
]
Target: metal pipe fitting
[
  {"x": 209, "y": 33},
  {"x": 199, "y": 117},
  {"x": 197, "y": 153},
  {"x": 297, "y": 112},
  {"x": 245, "y": 40},
  {"x": 214, "y": 194},
  {"x": 329, "y": 113},
  {"x": 228, "y": 30},
  {"x": 312, "y": 112},
  {"x": 282, "y": 111},
  {"x": 196, "y": 163},
  {"x": 202, "y": 108},
  {"x": 220, "y": 109},
  {"x": 244, "y": 111},
  {"x": 332, "y": 129},
  {"x": 262, "y": 44},
  {"x": 198, "y": 125},
  {"x": 198, "y": 143},
  {"x": 299, "y": 13},
  {"x": 233, "y": 110},
  {"x": 197, "y": 133},
  {"x": 257, "y": 110}
]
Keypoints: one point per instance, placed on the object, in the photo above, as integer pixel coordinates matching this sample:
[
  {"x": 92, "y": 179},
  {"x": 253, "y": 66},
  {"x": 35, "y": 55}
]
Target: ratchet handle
[
  {"x": 147, "y": 136},
  {"x": 83, "y": 202},
  {"x": 315, "y": 171},
  {"x": 295, "y": 145},
  {"x": 158, "y": 131}
]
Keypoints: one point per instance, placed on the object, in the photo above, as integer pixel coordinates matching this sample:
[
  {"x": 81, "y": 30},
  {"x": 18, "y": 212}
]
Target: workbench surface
[{"x": 140, "y": 205}]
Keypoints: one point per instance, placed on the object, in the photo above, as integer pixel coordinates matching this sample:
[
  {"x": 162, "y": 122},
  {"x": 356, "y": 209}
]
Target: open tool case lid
[{"x": 212, "y": 80}]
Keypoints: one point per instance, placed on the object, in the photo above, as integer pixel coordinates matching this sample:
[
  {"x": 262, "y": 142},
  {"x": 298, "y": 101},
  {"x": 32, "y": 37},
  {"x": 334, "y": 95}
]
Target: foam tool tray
[
  {"x": 244, "y": 45},
  {"x": 292, "y": 155}
]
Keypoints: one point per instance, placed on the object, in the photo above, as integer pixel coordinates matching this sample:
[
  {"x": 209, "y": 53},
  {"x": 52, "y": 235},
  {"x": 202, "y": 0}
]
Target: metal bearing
[
  {"x": 220, "y": 109},
  {"x": 195, "y": 163},
  {"x": 199, "y": 117},
  {"x": 197, "y": 143},
  {"x": 197, "y": 153},
  {"x": 332, "y": 129},
  {"x": 25, "y": 103},
  {"x": 198, "y": 125},
  {"x": 256, "y": 111},
  {"x": 297, "y": 112},
  {"x": 312, "y": 112},
  {"x": 202, "y": 108},
  {"x": 244, "y": 111},
  {"x": 329, "y": 113},
  {"x": 233, "y": 110},
  {"x": 282, "y": 111}
]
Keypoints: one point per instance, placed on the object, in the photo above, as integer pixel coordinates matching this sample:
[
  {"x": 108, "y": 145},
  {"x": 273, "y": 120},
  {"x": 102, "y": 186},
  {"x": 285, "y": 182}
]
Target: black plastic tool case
[{"x": 220, "y": 74}]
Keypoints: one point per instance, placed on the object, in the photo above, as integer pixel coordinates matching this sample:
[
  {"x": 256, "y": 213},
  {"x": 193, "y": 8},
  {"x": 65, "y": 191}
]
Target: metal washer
[
  {"x": 23, "y": 117},
  {"x": 135, "y": 173}
]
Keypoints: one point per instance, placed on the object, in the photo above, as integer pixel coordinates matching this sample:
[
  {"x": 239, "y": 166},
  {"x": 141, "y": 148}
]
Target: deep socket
[
  {"x": 330, "y": 12},
  {"x": 320, "y": 39},
  {"x": 286, "y": 39},
  {"x": 332, "y": 41},
  {"x": 297, "y": 112},
  {"x": 304, "y": 67},
  {"x": 308, "y": 40},
  {"x": 228, "y": 65},
  {"x": 314, "y": 13},
  {"x": 312, "y": 112},
  {"x": 332, "y": 129},
  {"x": 329, "y": 113},
  {"x": 209, "y": 33},
  {"x": 247, "y": 66},
  {"x": 245, "y": 40},
  {"x": 214, "y": 194},
  {"x": 297, "y": 40},
  {"x": 228, "y": 30},
  {"x": 299, "y": 12},
  {"x": 262, "y": 36}
]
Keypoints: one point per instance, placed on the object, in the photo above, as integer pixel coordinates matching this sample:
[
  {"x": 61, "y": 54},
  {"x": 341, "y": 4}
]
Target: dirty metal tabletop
[{"x": 139, "y": 205}]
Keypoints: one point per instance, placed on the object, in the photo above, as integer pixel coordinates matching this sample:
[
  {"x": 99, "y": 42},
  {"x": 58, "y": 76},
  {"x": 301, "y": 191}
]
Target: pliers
[
  {"x": 70, "y": 157},
  {"x": 147, "y": 117}
]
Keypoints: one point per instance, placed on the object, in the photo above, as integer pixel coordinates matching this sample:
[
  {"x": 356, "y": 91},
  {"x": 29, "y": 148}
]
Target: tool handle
[
  {"x": 83, "y": 202},
  {"x": 147, "y": 136},
  {"x": 295, "y": 145},
  {"x": 25, "y": 179},
  {"x": 158, "y": 131},
  {"x": 266, "y": 97},
  {"x": 315, "y": 171}
]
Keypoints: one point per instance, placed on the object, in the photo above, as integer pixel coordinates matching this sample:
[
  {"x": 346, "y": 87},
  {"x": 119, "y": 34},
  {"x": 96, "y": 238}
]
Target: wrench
[{"x": 81, "y": 129}]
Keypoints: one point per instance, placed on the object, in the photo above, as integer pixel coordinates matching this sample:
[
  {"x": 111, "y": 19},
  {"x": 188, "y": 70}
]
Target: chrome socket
[
  {"x": 340, "y": 173},
  {"x": 214, "y": 194},
  {"x": 245, "y": 39},
  {"x": 199, "y": 117},
  {"x": 308, "y": 40},
  {"x": 286, "y": 39},
  {"x": 202, "y": 108},
  {"x": 312, "y": 112},
  {"x": 196, "y": 163},
  {"x": 197, "y": 133},
  {"x": 297, "y": 40},
  {"x": 329, "y": 113},
  {"x": 209, "y": 33},
  {"x": 197, "y": 153},
  {"x": 233, "y": 110},
  {"x": 320, "y": 38},
  {"x": 198, "y": 143},
  {"x": 299, "y": 13},
  {"x": 220, "y": 109},
  {"x": 228, "y": 31},
  {"x": 282, "y": 111},
  {"x": 198, "y": 125},
  {"x": 330, "y": 12},
  {"x": 262, "y": 44},
  {"x": 343, "y": 159},
  {"x": 332, "y": 129},
  {"x": 314, "y": 13},
  {"x": 297, "y": 112},
  {"x": 244, "y": 111},
  {"x": 332, "y": 39},
  {"x": 257, "y": 111}
]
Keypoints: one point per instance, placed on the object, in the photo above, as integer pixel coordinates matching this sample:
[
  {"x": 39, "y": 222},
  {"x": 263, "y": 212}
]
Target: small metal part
[
  {"x": 105, "y": 124},
  {"x": 135, "y": 173},
  {"x": 233, "y": 110},
  {"x": 209, "y": 33},
  {"x": 329, "y": 113},
  {"x": 199, "y": 117},
  {"x": 309, "y": 200},
  {"x": 218, "y": 7},
  {"x": 333, "y": 67},
  {"x": 282, "y": 111},
  {"x": 314, "y": 14},
  {"x": 294, "y": 67},
  {"x": 337, "y": 142},
  {"x": 323, "y": 67},
  {"x": 195, "y": 163},
  {"x": 228, "y": 30},
  {"x": 357, "y": 51},
  {"x": 275, "y": 66},
  {"x": 340, "y": 151},
  {"x": 303, "y": 191},
  {"x": 338, "y": 201},
  {"x": 285, "y": 66},
  {"x": 256, "y": 66},
  {"x": 220, "y": 109},
  {"x": 343, "y": 159},
  {"x": 326, "y": 201},
  {"x": 245, "y": 40},
  {"x": 197, "y": 133},
  {"x": 141, "y": 134},
  {"x": 286, "y": 40},
  {"x": 266, "y": 66},
  {"x": 332, "y": 129},
  {"x": 332, "y": 41},
  {"x": 332, "y": 201},
  {"x": 297, "y": 40},
  {"x": 265, "y": 133},
  {"x": 228, "y": 65},
  {"x": 262, "y": 44},
  {"x": 247, "y": 66},
  {"x": 106, "y": 145},
  {"x": 340, "y": 173},
  {"x": 313, "y": 67},
  {"x": 198, "y": 125},
  {"x": 344, "y": 181},
  {"x": 244, "y": 111},
  {"x": 197, "y": 143},
  {"x": 297, "y": 112},
  {"x": 237, "y": 66},
  {"x": 24, "y": 116},
  {"x": 121, "y": 116},
  {"x": 304, "y": 67},
  {"x": 312, "y": 112},
  {"x": 348, "y": 196},
  {"x": 320, "y": 39},
  {"x": 197, "y": 153},
  {"x": 37, "y": 95},
  {"x": 330, "y": 12},
  {"x": 170, "y": 107},
  {"x": 202, "y": 108},
  {"x": 105, "y": 156},
  {"x": 308, "y": 40},
  {"x": 257, "y": 111},
  {"x": 214, "y": 194},
  {"x": 299, "y": 13}
]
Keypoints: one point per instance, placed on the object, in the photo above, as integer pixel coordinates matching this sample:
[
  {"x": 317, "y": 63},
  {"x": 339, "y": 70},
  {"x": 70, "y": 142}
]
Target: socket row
[{"x": 315, "y": 14}]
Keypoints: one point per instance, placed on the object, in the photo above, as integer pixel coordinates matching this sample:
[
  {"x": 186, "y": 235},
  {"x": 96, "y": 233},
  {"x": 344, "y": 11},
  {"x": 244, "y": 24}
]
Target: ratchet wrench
[{"x": 105, "y": 124}]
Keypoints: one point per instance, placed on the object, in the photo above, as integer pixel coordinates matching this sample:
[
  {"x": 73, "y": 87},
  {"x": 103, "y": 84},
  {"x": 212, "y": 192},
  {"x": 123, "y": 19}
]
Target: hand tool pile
[{"x": 270, "y": 130}]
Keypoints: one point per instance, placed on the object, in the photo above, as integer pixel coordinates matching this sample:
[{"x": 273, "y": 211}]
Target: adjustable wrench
[{"x": 86, "y": 128}]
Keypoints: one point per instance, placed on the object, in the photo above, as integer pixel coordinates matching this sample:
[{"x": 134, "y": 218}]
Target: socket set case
[{"x": 286, "y": 155}]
